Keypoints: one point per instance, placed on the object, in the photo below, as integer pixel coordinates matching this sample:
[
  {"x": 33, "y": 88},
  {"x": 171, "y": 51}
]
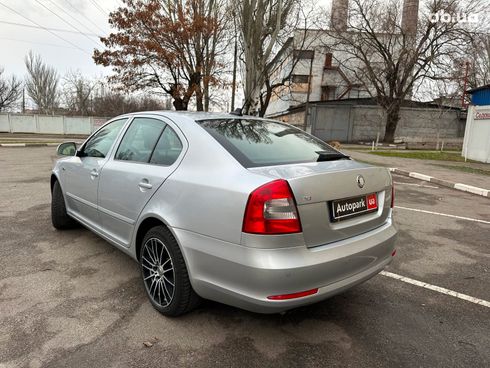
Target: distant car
[{"x": 245, "y": 211}]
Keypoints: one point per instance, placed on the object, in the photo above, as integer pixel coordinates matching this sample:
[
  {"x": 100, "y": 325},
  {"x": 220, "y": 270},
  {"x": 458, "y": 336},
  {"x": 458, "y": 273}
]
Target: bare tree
[
  {"x": 41, "y": 83},
  {"x": 77, "y": 93},
  {"x": 297, "y": 49},
  {"x": 114, "y": 103},
  {"x": 475, "y": 63},
  {"x": 391, "y": 58},
  {"x": 10, "y": 91},
  {"x": 262, "y": 27}
]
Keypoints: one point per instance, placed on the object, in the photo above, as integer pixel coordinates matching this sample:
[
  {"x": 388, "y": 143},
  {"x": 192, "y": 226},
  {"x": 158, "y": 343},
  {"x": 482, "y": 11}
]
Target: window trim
[
  {"x": 239, "y": 156},
  {"x": 167, "y": 122},
  {"x": 156, "y": 144},
  {"x": 110, "y": 152},
  {"x": 125, "y": 132}
]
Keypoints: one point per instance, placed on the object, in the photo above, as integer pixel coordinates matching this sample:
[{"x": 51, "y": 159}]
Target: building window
[
  {"x": 303, "y": 54},
  {"x": 328, "y": 93},
  {"x": 300, "y": 78},
  {"x": 328, "y": 60}
]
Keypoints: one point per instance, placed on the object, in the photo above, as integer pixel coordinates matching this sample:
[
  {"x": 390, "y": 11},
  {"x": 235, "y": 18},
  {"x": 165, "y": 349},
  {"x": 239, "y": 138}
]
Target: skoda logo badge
[{"x": 360, "y": 181}]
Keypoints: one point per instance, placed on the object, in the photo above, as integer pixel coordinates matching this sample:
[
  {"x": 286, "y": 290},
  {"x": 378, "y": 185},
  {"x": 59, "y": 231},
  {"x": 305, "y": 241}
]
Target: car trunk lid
[{"x": 316, "y": 185}]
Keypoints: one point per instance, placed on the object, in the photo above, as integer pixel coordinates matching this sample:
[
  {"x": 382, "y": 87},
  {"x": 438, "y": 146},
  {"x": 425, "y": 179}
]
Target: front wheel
[
  {"x": 59, "y": 217},
  {"x": 165, "y": 275}
]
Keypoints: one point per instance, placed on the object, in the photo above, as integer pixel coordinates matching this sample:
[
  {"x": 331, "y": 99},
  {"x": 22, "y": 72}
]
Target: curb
[
  {"x": 28, "y": 144},
  {"x": 457, "y": 186}
]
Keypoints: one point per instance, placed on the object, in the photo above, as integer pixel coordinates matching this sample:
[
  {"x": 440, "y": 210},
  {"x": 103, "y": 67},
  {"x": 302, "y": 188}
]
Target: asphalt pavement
[
  {"x": 429, "y": 167},
  {"x": 69, "y": 299}
]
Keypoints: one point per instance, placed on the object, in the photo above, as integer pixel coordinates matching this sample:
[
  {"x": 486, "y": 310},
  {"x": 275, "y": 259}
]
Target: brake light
[
  {"x": 392, "y": 195},
  {"x": 271, "y": 209}
]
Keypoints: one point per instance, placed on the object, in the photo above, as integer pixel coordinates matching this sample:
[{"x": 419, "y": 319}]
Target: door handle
[
  {"x": 94, "y": 173},
  {"x": 145, "y": 184}
]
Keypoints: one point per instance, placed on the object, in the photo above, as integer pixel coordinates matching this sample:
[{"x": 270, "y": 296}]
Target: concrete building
[
  {"x": 362, "y": 120},
  {"x": 410, "y": 16},
  {"x": 319, "y": 70},
  {"x": 339, "y": 14},
  {"x": 339, "y": 106},
  {"x": 315, "y": 65}
]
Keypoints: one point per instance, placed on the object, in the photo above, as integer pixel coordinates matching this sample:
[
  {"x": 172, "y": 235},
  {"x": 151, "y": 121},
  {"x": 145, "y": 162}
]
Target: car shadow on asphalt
[{"x": 332, "y": 309}]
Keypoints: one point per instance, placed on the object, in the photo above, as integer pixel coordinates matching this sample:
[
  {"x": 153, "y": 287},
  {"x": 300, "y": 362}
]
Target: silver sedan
[{"x": 249, "y": 212}]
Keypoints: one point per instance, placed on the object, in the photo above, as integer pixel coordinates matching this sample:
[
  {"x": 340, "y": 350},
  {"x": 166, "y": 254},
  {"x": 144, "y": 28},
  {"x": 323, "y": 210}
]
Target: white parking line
[
  {"x": 444, "y": 214},
  {"x": 437, "y": 288},
  {"x": 416, "y": 185}
]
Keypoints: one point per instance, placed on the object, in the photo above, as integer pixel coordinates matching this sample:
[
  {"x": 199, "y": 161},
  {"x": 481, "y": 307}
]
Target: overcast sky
[
  {"x": 63, "y": 50},
  {"x": 68, "y": 51}
]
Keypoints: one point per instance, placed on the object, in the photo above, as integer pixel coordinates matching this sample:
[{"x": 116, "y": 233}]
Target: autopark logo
[{"x": 444, "y": 17}]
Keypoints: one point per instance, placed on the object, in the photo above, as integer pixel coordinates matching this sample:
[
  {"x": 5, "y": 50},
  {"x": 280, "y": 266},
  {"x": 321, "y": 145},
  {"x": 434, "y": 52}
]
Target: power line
[
  {"x": 99, "y": 8},
  {"x": 66, "y": 22},
  {"x": 35, "y": 42},
  {"x": 69, "y": 15},
  {"x": 47, "y": 30},
  {"x": 88, "y": 19}
]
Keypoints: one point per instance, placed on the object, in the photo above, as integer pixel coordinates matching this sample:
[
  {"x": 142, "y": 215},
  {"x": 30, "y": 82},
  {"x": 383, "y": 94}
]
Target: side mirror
[{"x": 67, "y": 149}]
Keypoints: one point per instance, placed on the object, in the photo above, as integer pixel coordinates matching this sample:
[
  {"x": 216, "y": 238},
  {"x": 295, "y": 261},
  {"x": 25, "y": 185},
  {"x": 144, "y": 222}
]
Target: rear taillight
[
  {"x": 392, "y": 195},
  {"x": 271, "y": 209}
]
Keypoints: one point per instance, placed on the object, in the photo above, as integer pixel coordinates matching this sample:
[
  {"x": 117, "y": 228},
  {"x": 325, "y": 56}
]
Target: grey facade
[
  {"x": 325, "y": 77},
  {"x": 354, "y": 122}
]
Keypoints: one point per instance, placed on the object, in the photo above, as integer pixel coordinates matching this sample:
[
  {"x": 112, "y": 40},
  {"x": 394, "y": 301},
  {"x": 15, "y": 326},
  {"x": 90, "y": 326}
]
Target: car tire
[
  {"x": 162, "y": 265},
  {"x": 59, "y": 217}
]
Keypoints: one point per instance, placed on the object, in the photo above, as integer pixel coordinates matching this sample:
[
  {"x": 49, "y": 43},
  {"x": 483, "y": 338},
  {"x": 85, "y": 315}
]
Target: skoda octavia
[{"x": 245, "y": 211}]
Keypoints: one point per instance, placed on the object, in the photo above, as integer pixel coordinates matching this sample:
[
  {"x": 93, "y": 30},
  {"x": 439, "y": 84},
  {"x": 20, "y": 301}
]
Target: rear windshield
[{"x": 265, "y": 143}]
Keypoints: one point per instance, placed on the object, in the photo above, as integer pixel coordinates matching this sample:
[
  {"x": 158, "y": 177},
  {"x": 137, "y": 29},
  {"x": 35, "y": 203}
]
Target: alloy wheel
[{"x": 158, "y": 272}]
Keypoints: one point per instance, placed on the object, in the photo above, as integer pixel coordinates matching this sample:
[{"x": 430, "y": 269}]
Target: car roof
[{"x": 193, "y": 115}]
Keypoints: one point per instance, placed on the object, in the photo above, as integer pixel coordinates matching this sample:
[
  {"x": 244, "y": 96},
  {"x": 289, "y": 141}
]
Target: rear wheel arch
[{"x": 145, "y": 226}]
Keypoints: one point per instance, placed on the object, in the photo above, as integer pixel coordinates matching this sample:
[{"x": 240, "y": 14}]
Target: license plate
[{"x": 345, "y": 208}]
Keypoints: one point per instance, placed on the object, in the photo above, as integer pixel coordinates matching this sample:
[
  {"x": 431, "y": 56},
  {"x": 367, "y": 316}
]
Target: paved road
[
  {"x": 69, "y": 299},
  {"x": 429, "y": 167}
]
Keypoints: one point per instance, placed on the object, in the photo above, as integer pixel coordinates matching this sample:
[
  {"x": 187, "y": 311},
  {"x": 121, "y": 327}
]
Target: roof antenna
[{"x": 237, "y": 111}]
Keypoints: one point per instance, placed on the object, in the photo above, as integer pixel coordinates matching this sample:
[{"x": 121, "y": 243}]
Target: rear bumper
[{"x": 244, "y": 276}]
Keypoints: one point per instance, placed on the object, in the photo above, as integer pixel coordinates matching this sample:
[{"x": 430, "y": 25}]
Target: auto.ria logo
[{"x": 444, "y": 17}]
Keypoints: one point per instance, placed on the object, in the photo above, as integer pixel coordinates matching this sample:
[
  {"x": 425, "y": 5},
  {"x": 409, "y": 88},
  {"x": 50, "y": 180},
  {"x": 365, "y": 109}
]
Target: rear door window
[
  {"x": 266, "y": 143},
  {"x": 140, "y": 139},
  {"x": 167, "y": 149}
]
